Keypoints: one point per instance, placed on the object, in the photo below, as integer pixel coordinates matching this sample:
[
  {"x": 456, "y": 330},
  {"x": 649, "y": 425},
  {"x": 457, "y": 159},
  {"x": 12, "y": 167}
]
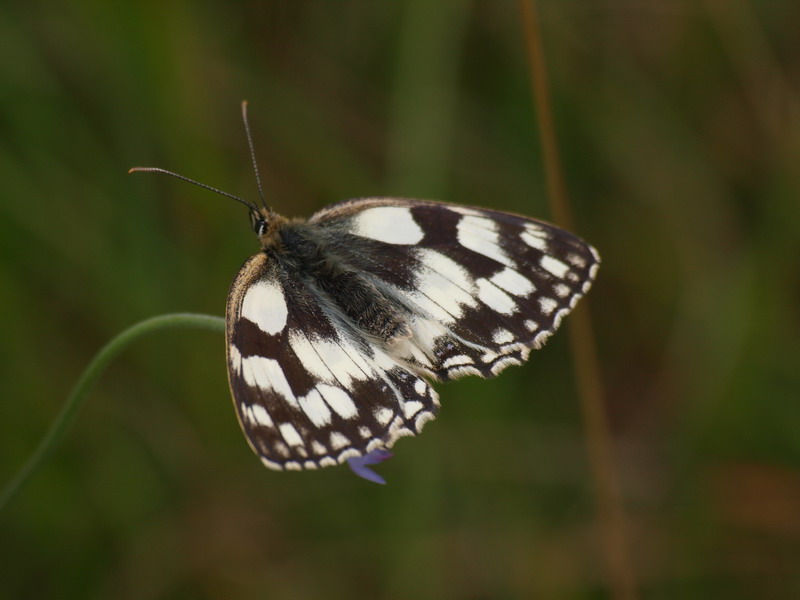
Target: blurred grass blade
[
  {"x": 598, "y": 439},
  {"x": 79, "y": 393}
]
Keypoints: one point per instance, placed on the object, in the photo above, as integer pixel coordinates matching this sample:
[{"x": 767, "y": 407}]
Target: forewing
[
  {"x": 481, "y": 287},
  {"x": 309, "y": 391}
]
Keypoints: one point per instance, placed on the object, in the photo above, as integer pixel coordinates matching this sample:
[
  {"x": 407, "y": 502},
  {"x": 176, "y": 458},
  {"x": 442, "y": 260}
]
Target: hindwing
[{"x": 309, "y": 391}]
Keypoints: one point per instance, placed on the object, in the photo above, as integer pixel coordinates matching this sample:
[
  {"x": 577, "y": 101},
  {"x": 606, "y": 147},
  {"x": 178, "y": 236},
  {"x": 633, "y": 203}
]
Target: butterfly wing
[
  {"x": 481, "y": 287},
  {"x": 309, "y": 391}
]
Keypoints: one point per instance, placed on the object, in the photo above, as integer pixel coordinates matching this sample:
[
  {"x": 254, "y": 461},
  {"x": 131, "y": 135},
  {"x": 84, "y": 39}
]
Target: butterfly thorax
[{"x": 333, "y": 279}]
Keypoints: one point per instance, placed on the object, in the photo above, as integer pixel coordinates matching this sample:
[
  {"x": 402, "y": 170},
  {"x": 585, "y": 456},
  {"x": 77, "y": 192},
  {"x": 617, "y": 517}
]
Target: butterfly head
[
  {"x": 265, "y": 223},
  {"x": 259, "y": 221}
]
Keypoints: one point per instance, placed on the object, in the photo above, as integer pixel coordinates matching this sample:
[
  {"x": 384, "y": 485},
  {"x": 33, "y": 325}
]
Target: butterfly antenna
[
  {"x": 192, "y": 181},
  {"x": 253, "y": 154}
]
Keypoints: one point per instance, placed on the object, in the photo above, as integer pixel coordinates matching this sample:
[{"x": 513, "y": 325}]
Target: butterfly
[{"x": 337, "y": 326}]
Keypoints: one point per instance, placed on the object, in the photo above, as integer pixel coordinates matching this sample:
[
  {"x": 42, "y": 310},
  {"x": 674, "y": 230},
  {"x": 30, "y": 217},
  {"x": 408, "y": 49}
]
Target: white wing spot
[
  {"x": 290, "y": 435},
  {"x": 547, "y": 305},
  {"x": 270, "y": 464},
  {"x": 495, "y": 298},
  {"x": 349, "y": 453},
  {"x": 327, "y": 360},
  {"x": 490, "y": 357},
  {"x": 426, "y": 305},
  {"x": 389, "y": 224},
  {"x": 281, "y": 449},
  {"x": 266, "y": 374},
  {"x": 480, "y": 235},
  {"x": 358, "y": 357},
  {"x": 513, "y": 282},
  {"x": 443, "y": 288},
  {"x": 420, "y": 387},
  {"x": 503, "y": 363},
  {"x": 421, "y": 298},
  {"x": 531, "y": 325},
  {"x": 411, "y": 408},
  {"x": 502, "y": 336},
  {"x": 265, "y": 305},
  {"x": 423, "y": 418},
  {"x": 383, "y": 415},
  {"x": 365, "y": 432},
  {"x": 318, "y": 448},
  {"x": 561, "y": 290},
  {"x": 339, "y": 440},
  {"x": 541, "y": 338},
  {"x": 315, "y": 408},
  {"x": 306, "y": 353},
  {"x": 463, "y": 371},
  {"x": 339, "y": 400},
  {"x": 455, "y": 361},
  {"x": 340, "y": 362},
  {"x": 234, "y": 358},
  {"x": 535, "y": 240},
  {"x": 260, "y": 416},
  {"x": 555, "y": 266},
  {"x": 576, "y": 260}
]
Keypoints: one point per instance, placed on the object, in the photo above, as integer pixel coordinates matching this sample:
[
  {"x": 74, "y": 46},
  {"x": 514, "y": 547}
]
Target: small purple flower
[{"x": 360, "y": 468}]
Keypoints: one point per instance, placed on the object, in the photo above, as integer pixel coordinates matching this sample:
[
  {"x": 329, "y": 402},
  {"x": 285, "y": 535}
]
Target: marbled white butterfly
[{"x": 336, "y": 326}]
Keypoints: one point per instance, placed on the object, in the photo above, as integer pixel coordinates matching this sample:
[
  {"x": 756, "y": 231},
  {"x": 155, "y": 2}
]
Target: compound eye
[{"x": 260, "y": 227}]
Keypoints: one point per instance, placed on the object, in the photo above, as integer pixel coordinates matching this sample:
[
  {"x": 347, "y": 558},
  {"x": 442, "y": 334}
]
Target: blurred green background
[{"x": 679, "y": 127}]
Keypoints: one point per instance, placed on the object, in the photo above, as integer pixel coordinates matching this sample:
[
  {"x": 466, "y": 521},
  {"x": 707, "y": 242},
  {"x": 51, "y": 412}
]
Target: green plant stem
[{"x": 93, "y": 371}]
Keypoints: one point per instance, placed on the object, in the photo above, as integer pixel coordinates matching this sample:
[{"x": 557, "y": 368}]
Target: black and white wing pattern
[
  {"x": 309, "y": 392},
  {"x": 334, "y": 327},
  {"x": 481, "y": 287}
]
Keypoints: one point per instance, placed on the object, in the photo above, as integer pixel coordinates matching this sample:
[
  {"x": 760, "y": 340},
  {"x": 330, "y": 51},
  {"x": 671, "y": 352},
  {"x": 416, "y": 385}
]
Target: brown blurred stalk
[{"x": 587, "y": 371}]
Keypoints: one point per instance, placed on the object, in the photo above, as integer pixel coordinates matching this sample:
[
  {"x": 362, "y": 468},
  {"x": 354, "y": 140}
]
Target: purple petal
[{"x": 360, "y": 468}]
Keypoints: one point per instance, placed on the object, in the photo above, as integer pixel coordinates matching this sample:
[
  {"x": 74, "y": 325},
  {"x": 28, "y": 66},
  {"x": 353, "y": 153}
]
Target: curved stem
[{"x": 78, "y": 396}]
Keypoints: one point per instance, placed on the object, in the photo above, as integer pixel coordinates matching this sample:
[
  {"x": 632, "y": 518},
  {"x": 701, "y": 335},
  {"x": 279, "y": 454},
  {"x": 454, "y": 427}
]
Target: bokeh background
[{"x": 679, "y": 129}]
